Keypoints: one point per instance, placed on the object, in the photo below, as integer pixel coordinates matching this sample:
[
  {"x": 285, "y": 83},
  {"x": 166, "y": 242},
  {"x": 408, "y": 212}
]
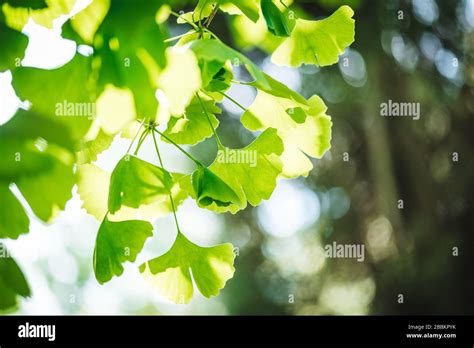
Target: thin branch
[
  {"x": 135, "y": 137},
  {"x": 219, "y": 143},
  {"x": 179, "y": 147},
  {"x": 170, "y": 193},
  {"x": 233, "y": 100}
]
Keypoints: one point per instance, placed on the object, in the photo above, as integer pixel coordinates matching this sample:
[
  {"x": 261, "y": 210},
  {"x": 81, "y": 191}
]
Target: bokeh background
[{"x": 406, "y": 51}]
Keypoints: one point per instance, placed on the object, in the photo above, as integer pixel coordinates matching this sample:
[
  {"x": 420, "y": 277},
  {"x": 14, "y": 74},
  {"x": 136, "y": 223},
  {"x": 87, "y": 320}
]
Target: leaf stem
[
  {"x": 179, "y": 147},
  {"x": 233, "y": 101},
  {"x": 179, "y": 36},
  {"x": 218, "y": 140},
  {"x": 245, "y": 83},
  {"x": 209, "y": 19},
  {"x": 141, "y": 140},
  {"x": 135, "y": 137},
  {"x": 170, "y": 193},
  {"x": 212, "y": 34}
]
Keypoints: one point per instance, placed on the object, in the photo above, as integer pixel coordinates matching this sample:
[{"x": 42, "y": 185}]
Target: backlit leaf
[
  {"x": 135, "y": 182},
  {"x": 317, "y": 42},
  {"x": 193, "y": 127},
  {"x": 210, "y": 267},
  {"x": 310, "y": 136},
  {"x": 116, "y": 243}
]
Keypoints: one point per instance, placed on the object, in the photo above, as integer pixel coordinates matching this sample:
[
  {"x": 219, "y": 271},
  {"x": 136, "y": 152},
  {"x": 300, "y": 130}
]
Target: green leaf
[
  {"x": 37, "y": 155},
  {"x": 214, "y": 50},
  {"x": 48, "y": 192},
  {"x": 12, "y": 281},
  {"x": 72, "y": 105},
  {"x": 317, "y": 42},
  {"x": 93, "y": 145},
  {"x": 116, "y": 243},
  {"x": 16, "y": 17},
  {"x": 249, "y": 8},
  {"x": 13, "y": 47},
  {"x": 34, "y": 4},
  {"x": 87, "y": 22},
  {"x": 193, "y": 127},
  {"x": 135, "y": 182},
  {"x": 276, "y": 20},
  {"x": 211, "y": 190},
  {"x": 204, "y": 8},
  {"x": 221, "y": 81},
  {"x": 93, "y": 188},
  {"x": 180, "y": 80},
  {"x": 251, "y": 172},
  {"x": 13, "y": 219},
  {"x": 308, "y": 134},
  {"x": 129, "y": 47},
  {"x": 115, "y": 109},
  {"x": 210, "y": 267}
]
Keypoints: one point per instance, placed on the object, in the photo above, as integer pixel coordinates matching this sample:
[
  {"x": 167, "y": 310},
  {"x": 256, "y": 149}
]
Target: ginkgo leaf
[
  {"x": 87, "y": 22},
  {"x": 135, "y": 182},
  {"x": 13, "y": 47},
  {"x": 115, "y": 109},
  {"x": 24, "y": 142},
  {"x": 212, "y": 191},
  {"x": 221, "y": 80},
  {"x": 214, "y": 50},
  {"x": 210, "y": 267},
  {"x": 13, "y": 219},
  {"x": 317, "y": 42},
  {"x": 180, "y": 80},
  {"x": 251, "y": 172},
  {"x": 310, "y": 136},
  {"x": 247, "y": 34},
  {"x": 204, "y": 8},
  {"x": 12, "y": 281},
  {"x": 277, "y": 23},
  {"x": 17, "y": 17},
  {"x": 37, "y": 155},
  {"x": 93, "y": 188},
  {"x": 193, "y": 127},
  {"x": 216, "y": 78},
  {"x": 72, "y": 105},
  {"x": 116, "y": 243},
  {"x": 129, "y": 47},
  {"x": 94, "y": 143},
  {"x": 249, "y": 8},
  {"x": 48, "y": 192}
]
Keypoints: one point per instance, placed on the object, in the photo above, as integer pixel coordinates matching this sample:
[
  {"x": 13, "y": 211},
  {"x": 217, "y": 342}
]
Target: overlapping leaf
[
  {"x": 317, "y": 42},
  {"x": 93, "y": 188},
  {"x": 303, "y": 126},
  {"x": 204, "y": 8},
  {"x": 192, "y": 126},
  {"x": 213, "y": 50},
  {"x": 135, "y": 182}
]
